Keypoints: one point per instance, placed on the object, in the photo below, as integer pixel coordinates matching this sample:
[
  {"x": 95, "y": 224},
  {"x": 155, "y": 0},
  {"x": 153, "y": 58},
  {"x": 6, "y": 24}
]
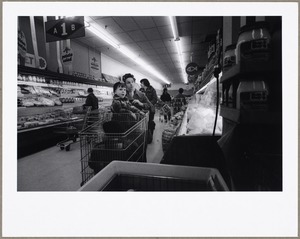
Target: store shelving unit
[{"x": 253, "y": 142}]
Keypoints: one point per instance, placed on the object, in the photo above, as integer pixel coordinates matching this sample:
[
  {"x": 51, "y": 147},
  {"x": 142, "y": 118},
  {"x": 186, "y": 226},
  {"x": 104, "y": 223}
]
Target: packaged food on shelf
[{"x": 45, "y": 101}]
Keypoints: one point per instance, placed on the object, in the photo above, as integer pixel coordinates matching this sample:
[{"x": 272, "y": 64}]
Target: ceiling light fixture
[
  {"x": 99, "y": 32},
  {"x": 178, "y": 45}
]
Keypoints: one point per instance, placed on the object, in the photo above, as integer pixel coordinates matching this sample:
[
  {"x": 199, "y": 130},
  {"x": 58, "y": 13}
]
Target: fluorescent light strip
[
  {"x": 110, "y": 40},
  {"x": 178, "y": 45},
  {"x": 101, "y": 35}
]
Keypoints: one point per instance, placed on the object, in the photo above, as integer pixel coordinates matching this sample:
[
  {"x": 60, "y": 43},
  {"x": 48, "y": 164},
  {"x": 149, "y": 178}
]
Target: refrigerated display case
[{"x": 46, "y": 101}]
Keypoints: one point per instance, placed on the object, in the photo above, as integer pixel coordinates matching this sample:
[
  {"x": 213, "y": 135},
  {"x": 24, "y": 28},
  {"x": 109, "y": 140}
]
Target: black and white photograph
[{"x": 133, "y": 109}]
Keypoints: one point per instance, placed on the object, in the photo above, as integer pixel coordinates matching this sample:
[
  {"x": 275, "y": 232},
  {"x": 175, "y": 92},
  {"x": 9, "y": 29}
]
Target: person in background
[
  {"x": 178, "y": 101},
  {"x": 136, "y": 97},
  {"x": 150, "y": 92},
  {"x": 180, "y": 96},
  {"x": 91, "y": 100},
  {"x": 166, "y": 98}
]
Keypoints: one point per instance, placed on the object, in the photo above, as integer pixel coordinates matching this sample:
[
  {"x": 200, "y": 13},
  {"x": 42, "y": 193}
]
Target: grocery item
[
  {"x": 27, "y": 102},
  {"x": 253, "y": 43},
  {"x": 229, "y": 57},
  {"x": 252, "y": 95},
  {"x": 46, "y": 102}
]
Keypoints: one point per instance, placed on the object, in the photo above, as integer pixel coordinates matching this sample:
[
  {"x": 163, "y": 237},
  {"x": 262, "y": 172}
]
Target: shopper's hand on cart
[
  {"x": 133, "y": 115},
  {"x": 137, "y": 102}
]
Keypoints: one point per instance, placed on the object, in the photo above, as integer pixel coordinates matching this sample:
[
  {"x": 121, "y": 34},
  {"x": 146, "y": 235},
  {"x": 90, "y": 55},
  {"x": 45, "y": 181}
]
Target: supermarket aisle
[{"x": 58, "y": 170}]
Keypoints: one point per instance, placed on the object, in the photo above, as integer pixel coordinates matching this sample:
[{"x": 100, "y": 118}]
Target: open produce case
[
  {"x": 135, "y": 176},
  {"x": 192, "y": 142}
]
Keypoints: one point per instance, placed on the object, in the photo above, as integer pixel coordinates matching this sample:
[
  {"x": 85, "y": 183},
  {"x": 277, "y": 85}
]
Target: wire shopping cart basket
[
  {"x": 112, "y": 137},
  {"x": 72, "y": 128}
]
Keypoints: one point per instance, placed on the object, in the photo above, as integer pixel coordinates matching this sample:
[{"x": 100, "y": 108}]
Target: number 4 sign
[{"x": 65, "y": 28}]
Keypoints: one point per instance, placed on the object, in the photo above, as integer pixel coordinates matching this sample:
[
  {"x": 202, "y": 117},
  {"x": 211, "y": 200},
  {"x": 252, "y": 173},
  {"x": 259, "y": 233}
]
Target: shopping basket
[{"x": 112, "y": 137}]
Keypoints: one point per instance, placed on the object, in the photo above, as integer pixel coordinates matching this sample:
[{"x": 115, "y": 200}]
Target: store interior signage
[
  {"x": 95, "y": 64},
  {"x": 192, "y": 69},
  {"x": 30, "y": 61},
  {"x": 22, "y": 45},
  {"x": 65, "y": 28},
  {"x": 67, "y": 56}
]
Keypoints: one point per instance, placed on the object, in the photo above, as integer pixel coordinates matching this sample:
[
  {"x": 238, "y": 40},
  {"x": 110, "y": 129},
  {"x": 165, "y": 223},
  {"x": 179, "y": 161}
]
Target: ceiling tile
[
  {"x": 185, "y": 40},
  {"x": 133, "y": 47},
  {"x": 161, "y": 51},
  {"x": 145, "y": 45},
  {"x": 157, "y": 44},
  {"x": 94, "y": 42},
  {"x": 137, "y": 36},
  {"x": 165, "y": 31},
  {"x": 186, "y": 48},
  {"x": 150, "y": 52},
  {"x": 126, "y": 23},
  {"x": 169, "y": 42},
  {"x": 123, "y": 38},
  {"x": 198, "y": 38},
  {"x": 144, "y": 22},
  {"x": 172, "y": 49},
  {"x": 184, "y": 29},
  {"x": 166, "y": 58},
  {"x": 152, "y": 34},
  {"x": 161, "y": 21},
  {"x": 98, "y": 17},
  {"x": 110, "y": 25},
  {"x": 181, "y": 19}
]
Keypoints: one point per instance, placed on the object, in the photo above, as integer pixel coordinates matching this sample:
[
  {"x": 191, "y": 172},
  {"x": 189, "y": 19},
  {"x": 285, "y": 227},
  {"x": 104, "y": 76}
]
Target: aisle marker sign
[
  {"x": 67, "y": 56},
  {"x": 65, "y": 28}
]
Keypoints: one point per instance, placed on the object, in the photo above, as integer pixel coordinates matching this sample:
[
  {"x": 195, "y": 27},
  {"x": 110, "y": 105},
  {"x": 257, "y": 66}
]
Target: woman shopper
[
  {"x": 166, "y": 98},
  {"x": 150, "y": 92},
  {"x": 137, "y": 98}
]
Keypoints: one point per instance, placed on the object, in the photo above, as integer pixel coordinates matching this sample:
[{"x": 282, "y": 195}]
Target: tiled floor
[{"x": 58, "y": 170}]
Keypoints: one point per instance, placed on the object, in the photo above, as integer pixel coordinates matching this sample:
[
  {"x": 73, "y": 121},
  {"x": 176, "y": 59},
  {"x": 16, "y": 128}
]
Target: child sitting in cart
[{"x": 121, "y": 103}]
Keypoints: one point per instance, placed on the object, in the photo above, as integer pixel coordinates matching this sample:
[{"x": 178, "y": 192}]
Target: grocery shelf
[
  {"x": 59, "y": 76},
  {"x": 27, "y": 111},
  {"x": 247, "y": 69},
  {"x": 251, "y": 116},
  {"x": 54, "y": 124}
]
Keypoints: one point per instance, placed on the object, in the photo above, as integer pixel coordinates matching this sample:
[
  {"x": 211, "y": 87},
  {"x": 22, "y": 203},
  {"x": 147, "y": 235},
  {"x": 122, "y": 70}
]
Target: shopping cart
[
  {"x": 112, "y": 137},
  {"x": 72, "y": 128}
]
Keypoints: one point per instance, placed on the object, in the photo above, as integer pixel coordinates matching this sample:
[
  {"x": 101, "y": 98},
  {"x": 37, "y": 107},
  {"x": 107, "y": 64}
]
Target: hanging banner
[
  {"x": 67, "y": 56},
  {"x": 95, "y": 65},
  {"x": 22, "y": 45},
  {"x": 65, "y": 28},
  {"x": 30, "y": 61}
]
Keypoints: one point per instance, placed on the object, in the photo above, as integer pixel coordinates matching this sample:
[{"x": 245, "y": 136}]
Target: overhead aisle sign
[{"x": 65, "y": 28}]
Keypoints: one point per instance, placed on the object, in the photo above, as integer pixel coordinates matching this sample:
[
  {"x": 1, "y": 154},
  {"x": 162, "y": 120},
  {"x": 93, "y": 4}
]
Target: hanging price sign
[{"x": 65, "y": 28}]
